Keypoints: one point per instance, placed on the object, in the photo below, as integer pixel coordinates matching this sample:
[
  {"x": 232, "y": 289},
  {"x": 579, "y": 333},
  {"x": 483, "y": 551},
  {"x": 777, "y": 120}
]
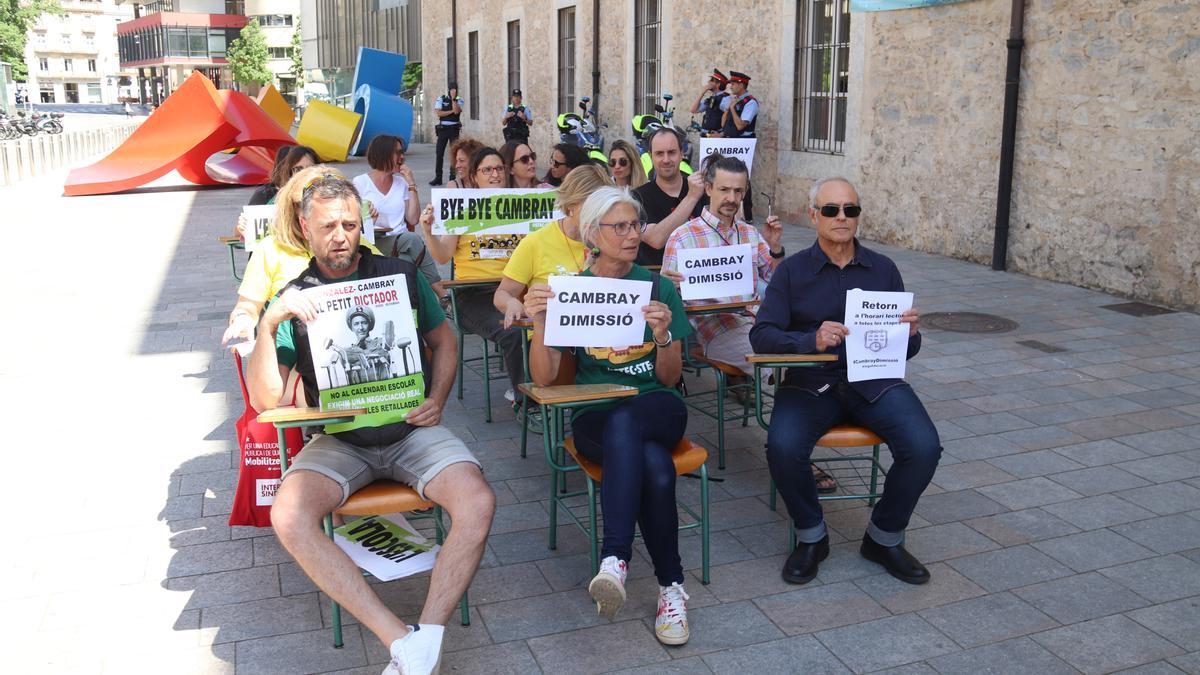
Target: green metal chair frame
[
  {"x": 234, "y": 244},
  {"x": 289, "y": 418},
  {"x": 778, "y": 362},
  {"x": 554, "y": 405},
  {"x": 486, "y": 371}
]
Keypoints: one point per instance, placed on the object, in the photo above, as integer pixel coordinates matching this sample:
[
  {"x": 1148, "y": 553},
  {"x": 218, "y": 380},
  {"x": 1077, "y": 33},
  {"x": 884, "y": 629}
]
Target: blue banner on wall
[{"x": 886, "y": 5}]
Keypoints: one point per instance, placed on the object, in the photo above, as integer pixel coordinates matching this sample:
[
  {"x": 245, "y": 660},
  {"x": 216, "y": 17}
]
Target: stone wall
[{"x": 1107, "y": 180}]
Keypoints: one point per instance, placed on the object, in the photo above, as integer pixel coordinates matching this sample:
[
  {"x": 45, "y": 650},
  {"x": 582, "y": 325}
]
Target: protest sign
[
  {"x": 386, "y": 546},
  {"x": 258, "y": 224},
  {"x": 365, "y": 350},
  {"x": 596, "y": 312},
  {"x": 493, "y": 211},
  {"x": 742, "y": 148},
  {"x": 716, "y": 272},
  {"x": 877, "y": 346},
  {"x": 369, "y": 224}
]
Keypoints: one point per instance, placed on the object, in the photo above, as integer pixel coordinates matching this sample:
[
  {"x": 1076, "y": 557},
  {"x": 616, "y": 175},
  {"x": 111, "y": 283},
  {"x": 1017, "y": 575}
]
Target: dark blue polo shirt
[{"x": 807, "y": 290}]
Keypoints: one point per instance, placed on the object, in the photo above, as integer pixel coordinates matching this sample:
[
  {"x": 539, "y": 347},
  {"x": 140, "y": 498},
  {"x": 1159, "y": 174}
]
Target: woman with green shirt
[{"x": 632, "y": 439}]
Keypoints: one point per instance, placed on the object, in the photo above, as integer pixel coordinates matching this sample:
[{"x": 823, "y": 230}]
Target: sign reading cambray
[
  {"x": 742, "y": 148},
  {"x": 596, "y": 312},
  {"x": 495, "y": 211},
  {"x": 716, "y": 272}
]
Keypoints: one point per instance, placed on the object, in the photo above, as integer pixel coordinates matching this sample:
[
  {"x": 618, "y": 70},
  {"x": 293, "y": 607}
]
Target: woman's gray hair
[
  {"x": 817, "y": 185},
  {"x": 596, "y": 207}
]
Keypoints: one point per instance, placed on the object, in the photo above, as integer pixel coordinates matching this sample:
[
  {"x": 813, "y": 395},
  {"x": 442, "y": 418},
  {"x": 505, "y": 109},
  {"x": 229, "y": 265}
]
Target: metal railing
[{"x": 28, "y": 157}]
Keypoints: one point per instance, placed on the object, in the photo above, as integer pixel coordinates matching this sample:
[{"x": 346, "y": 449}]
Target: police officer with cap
[
  {"x": 741, "y": 116},
  {"x": 448, "y": 109},
  {"x": 709, "y": 103},
  {"x": 516, "y": 119}
]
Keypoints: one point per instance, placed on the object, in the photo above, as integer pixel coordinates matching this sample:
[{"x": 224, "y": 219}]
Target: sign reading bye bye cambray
[{"x": 494, "y": 211}]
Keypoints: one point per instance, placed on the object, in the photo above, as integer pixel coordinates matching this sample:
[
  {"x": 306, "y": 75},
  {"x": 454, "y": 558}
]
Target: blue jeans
[
  {"x": 633, "y": 441},
  {"x": 802, "y": 416}
]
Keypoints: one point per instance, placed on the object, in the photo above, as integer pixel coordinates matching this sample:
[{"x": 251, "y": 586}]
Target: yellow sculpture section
[
  {"x": 276, "y": 107},
  {"x": 329, "y": 130}
]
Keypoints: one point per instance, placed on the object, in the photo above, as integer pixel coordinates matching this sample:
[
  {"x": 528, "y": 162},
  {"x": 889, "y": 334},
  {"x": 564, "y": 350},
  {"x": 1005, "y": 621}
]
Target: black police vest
[
  {"x": 713, "y": 113},
  {"x": 731, "y": 130},
  {"x": 516, "y": 123},
  {"x": 446, "y": 103},
  {"x": 369, "y": 266}
]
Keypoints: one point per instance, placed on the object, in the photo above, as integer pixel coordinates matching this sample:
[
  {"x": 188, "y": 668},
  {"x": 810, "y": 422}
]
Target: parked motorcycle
[
  {"x": 645, "y": 125},
  {"x": 583, "y": 130},
  {"x": 49, "y": 123}
]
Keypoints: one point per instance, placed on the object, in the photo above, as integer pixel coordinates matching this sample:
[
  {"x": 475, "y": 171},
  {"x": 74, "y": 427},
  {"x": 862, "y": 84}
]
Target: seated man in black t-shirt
[{"x": 669, "y": 201}]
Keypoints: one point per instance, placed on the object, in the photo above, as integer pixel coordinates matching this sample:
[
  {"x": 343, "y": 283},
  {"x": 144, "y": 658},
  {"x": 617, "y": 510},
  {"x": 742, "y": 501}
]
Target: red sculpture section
[{"x": 193, "y": 123}]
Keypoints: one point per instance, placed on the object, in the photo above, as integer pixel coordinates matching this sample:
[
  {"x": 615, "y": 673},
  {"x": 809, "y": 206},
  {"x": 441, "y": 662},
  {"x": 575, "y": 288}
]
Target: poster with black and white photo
[{"x": 365, "y": 350}]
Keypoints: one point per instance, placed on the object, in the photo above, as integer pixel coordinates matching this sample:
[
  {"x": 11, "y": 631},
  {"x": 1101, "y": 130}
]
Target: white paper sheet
[
  {"x": 877, "y": 346},
  {"x": 717, "y": 272},
  {"x": 596, "y": 312},
  {"x": 386, "y": 546}
]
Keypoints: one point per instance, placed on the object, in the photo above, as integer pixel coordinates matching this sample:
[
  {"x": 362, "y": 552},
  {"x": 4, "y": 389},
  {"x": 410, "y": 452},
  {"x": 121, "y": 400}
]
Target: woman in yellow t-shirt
[
  {"x": 480, "y": 257},
  {"x": 554, "y": 249}
]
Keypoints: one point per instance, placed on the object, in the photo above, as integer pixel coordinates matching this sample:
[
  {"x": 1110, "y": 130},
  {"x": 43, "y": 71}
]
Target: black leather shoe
[
  {"x": 801, "y": 566},
  {"x": 435, "y": 182},
  {"x": 896, "y": 560}
]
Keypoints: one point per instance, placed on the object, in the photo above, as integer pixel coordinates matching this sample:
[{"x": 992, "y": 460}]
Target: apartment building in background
[{"x": 73, "y": 58}]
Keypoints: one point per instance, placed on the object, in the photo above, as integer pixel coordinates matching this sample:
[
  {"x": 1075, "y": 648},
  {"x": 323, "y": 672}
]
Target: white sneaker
[
  {"x": 608, "y": 586},
  {"x": 671, "y": 624},
  {"x": 418, "y": 653},
  {"x": 510, "y": 396}
]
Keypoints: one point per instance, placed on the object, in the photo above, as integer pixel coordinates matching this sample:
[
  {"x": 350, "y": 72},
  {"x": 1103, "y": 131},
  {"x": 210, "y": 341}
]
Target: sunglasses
[
  {"x": 621, "y": 162},
  {"x": 555, "y": 163},
  {"x": 317, "y": 182},
  {"x": 491, "y": 169},
  {"x": 831, "y": 210},
  {"x": 623, "y": 229},
  {"x": 528, "y": 159}
]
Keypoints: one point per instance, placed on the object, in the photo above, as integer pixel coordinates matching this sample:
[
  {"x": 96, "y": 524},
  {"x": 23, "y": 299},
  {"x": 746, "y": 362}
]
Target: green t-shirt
[
  {"x": 428, "y": 313},
  {"x": 632, "y": 366}
]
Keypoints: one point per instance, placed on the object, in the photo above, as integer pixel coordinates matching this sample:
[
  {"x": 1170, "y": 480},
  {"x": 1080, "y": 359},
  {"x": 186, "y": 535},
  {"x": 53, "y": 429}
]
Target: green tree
[
  {"x": 412, "y": 76},
  {"x": 16, "y": 18},
  {"x": 248, "y": 56},
  {"x": 296, "y": 52}
]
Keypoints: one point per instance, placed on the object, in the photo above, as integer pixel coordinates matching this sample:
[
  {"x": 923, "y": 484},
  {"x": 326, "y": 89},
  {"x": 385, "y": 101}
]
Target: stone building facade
[{"x": 1106, "y": 192}]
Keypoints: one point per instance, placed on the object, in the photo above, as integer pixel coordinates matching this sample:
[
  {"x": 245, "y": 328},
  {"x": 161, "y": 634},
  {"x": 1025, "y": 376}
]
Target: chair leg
[
  {"x": 593, "y": 534},
  {"x": 337, "y": 609},
  {"x": 771, "y": 499},
  {"x": 523, "y": 420},
  {"x": 874, "y": 475},
  {"x": 549, "y": 440},
  {"x": 464, "y": 607},
  {"x": 704, "y": 526},
  {"x": 461, "y": 344},
  {"x": 487, "y": 384},
  {"x": 720, "y": 419}
]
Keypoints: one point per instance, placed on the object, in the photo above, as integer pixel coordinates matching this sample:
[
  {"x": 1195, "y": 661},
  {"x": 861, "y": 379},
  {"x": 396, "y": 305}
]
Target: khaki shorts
[{"x": 414, "y": 461}]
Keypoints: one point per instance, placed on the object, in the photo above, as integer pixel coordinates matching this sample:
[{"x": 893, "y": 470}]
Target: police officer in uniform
[
  {"x": 448, "y": 108},
  {"x": 740, "y": 116},
  {"x": 709, "y": 103},
  {"x": 516, "y": 119}
]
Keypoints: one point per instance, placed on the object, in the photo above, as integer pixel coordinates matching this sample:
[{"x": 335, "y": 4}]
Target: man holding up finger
[{"x": 801, "y": 314}]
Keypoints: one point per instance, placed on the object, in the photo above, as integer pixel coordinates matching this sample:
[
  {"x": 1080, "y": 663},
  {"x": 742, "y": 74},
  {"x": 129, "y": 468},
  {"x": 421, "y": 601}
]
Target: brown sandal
[{"x": 826, "y": 484}]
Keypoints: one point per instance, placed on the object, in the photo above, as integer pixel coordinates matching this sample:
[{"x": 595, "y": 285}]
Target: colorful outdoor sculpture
[
  {"x": 275, "y": 105},
  {"x": 328, "y": 129},
  {"x": 378, "y": 79},
  {"x": 193, "y": 123}
]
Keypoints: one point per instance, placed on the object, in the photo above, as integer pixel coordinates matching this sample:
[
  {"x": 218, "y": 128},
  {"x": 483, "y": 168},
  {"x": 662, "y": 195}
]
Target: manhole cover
[
  {"x": 968, "y": 322},
  {"x": 1139, "y": 309}
]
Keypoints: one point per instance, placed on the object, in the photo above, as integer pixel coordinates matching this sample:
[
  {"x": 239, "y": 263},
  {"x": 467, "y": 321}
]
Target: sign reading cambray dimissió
[
  {"x": 742, "y": 148},
  {"x": 386, "y": 546},
  {"x": 596, "y": 312},
  {"x": 494, "y": 211},
  {"x": 365, "y": 350},
  {"x": 258, "y": 224},
  {"x": 717, "y": 272},
  {"x": 877, "y": 346}
]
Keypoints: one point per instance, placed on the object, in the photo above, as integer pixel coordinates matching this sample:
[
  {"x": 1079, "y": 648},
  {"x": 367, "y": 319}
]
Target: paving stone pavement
[{"x": 1062, "y": 528}]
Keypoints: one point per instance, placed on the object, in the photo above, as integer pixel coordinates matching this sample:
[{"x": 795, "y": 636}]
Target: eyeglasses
[
  {"x": 528, "y": 159},
  {"x": 491, "y": 169},
  {"x": 555, "y": 163},
  {"x": 621, "y": 162},
  {"x": 831, "y": 210},
  {"x": 623, "y": 229}
]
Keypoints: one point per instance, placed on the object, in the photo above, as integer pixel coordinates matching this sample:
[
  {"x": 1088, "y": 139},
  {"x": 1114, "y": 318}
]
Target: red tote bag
[{"x": 258, "y": 474}]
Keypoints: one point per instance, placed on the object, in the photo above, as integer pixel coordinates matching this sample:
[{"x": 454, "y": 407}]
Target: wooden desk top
[
  {"x": 575, "y": 393},
  {"x": 721, "y": 307},
  {"x": 290, "y": 414},
  {"x": 230, "y": 239},
  {"x": 791, "y": 358}
]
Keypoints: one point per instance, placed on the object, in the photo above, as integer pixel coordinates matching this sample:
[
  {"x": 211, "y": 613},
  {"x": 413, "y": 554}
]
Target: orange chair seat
[
  {"x": 688, "y": 457},
  {"x": 848, "y": 436},
  {"x": 384, "y": 496},
  {"x": 697, "y": 354}
]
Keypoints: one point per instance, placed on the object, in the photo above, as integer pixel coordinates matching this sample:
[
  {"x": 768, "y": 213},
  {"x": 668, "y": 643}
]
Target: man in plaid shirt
[{"x": 726, "y": 337}]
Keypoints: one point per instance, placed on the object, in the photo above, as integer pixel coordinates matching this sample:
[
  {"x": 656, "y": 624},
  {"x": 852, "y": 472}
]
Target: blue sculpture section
[{"x": 378, "y": 79}]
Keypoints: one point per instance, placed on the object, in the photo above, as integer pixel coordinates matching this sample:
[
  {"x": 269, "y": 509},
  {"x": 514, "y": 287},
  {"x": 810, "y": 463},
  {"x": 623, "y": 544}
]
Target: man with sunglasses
[{"x": 802, "y": 313}]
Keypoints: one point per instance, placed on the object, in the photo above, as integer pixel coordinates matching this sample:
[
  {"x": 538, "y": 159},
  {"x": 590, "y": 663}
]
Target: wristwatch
[
  {"x": 782, "y": 253},
  {"x": 670, "y": 339}
]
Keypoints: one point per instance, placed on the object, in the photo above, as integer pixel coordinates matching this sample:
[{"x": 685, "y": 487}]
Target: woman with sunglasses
[
  {"x": 563, "y": 158},
  {"x": 622, "y": 162},
  {"x": 632, "y": 439},
  {"x": 290, "y": 160},
  {"x": 480, "y": 256},
  {"x": 520, "y": 165}
]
